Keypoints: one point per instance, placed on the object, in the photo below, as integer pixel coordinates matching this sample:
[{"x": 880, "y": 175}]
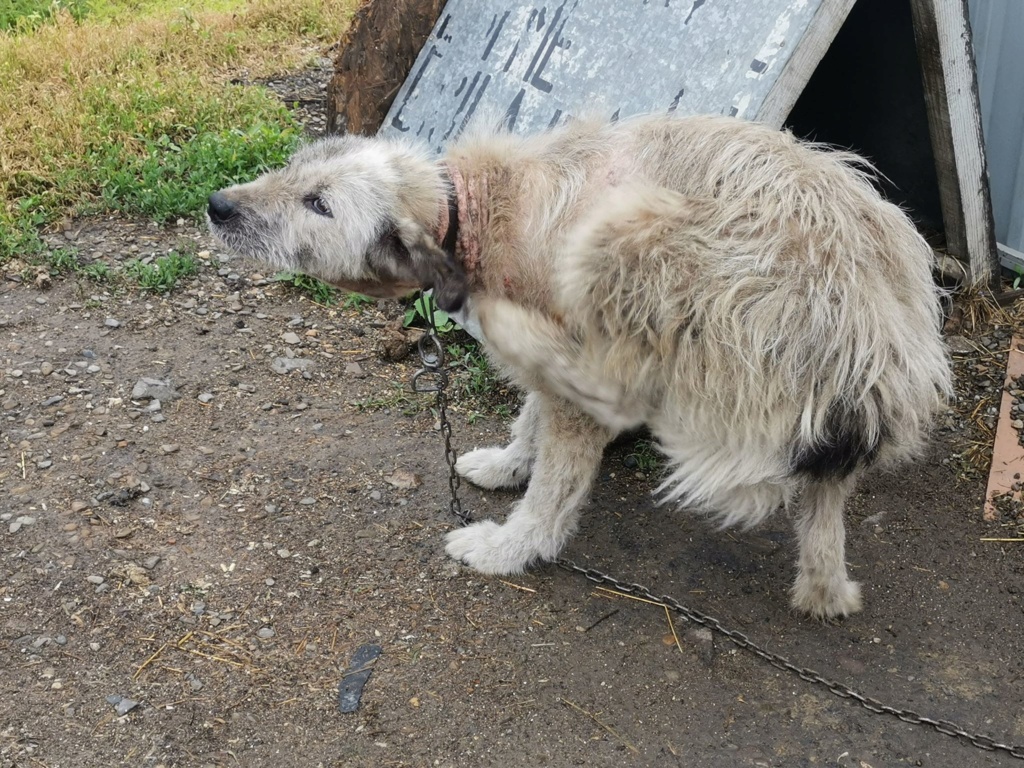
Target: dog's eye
[{"x": 318, "y": 205}]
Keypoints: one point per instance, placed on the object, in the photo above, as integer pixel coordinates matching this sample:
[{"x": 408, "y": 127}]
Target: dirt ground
[{"x": 186, "y": 585}]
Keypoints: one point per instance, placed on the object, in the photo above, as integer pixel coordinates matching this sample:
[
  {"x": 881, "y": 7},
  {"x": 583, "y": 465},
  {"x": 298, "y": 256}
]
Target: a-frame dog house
[{"x": 533, "y": 64}]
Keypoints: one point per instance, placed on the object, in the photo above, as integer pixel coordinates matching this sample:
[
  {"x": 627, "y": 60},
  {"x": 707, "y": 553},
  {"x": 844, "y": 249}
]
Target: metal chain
[
  {"x": 433, "y": 361},
  {"x": 431, "y": 353}
]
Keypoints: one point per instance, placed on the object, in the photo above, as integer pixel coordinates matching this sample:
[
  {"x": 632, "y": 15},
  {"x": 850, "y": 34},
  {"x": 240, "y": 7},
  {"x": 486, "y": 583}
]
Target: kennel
[{"x": 892, "y": 79}]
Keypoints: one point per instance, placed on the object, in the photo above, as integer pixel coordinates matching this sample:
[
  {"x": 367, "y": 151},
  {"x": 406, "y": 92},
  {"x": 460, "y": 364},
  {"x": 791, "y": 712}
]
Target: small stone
[
  {"x": 205, "y": 397},
  {"x": 291, "y": 338},
  {"x": 151, "y": 562},
  {"x": 301, "y": 406},
  {"x": 168, "y": 448},
  {"x": 307, "y": 501},
  {"x": 285, "y": 365},
  {"x": 95, "y": 579},
  {"x": 154, "y": 389},
  {"x": 354, "y": 369},
  {"x": 112, "y": 323},
  {"x": 250, "y": 388},
  {"x": 265, "y": 633},
  {"x": 1017, "y": 424},
  {"x": 45, "y": 369},
  {"x": 44, "y": 464},
  {"x": 375, "y": 495},
  {"x": 269, "y": 582},
  {"x": 125, "y": 705},
  {"x": 284, "y": 553},
  {"x": 40, "y": 300}
]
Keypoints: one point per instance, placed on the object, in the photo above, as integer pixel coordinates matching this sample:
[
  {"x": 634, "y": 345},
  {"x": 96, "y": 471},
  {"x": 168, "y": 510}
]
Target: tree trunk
[{"x": 376, "y": 56}]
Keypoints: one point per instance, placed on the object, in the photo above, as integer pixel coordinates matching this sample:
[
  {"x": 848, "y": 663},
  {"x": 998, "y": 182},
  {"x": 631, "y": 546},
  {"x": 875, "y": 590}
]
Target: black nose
[{"x": 221, "y": 209}]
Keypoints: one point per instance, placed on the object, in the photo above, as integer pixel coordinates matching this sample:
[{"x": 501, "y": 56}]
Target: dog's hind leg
[
  {"x": 569, "y": 448},
  {"x": 507, "y": 467},
  {"x": 822, "y": 587}
]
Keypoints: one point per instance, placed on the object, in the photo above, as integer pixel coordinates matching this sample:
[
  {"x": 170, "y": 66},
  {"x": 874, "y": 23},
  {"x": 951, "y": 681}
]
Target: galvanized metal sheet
[{"x": 532, "y": 65}]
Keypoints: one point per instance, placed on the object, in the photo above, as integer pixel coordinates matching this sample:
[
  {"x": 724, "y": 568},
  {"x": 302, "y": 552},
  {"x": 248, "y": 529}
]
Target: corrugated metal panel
[
  {"x": 536, "y": 63},
  {"x": 998, "y": 29}
]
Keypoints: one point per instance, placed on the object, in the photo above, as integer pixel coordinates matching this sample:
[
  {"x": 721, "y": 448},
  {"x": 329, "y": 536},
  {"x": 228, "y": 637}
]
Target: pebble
[
  {"x": 110, "y": 322},
  {"x": 291, "y": 338},
  {"x": 154, "y": 389},
  {"x": 265, "y": 633},
  {"x": 285, "y": 365},
  {"x": 170, "y": 447},
  {"x": 95, "y": 579},
  {"x": 45, "y": 369},
  {"x": 307, "y": 501},
  {"x": 205, "y": 397},
  {"x": 21, "y": 521},
  {"x": 282, "y": 552},
  {"x": 151, "y": 562}
]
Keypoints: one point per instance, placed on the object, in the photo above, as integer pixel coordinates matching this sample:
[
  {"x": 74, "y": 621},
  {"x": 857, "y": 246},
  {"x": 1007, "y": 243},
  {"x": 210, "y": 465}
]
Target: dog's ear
[{"x": 434, "y": 267}]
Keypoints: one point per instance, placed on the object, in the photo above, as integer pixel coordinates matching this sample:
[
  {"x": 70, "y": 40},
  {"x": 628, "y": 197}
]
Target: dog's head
[{"x": 356, "y": 212}]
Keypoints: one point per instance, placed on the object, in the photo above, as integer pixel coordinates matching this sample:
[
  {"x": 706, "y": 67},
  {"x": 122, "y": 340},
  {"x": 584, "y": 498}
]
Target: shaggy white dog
[{"x": 751, "y": 299}]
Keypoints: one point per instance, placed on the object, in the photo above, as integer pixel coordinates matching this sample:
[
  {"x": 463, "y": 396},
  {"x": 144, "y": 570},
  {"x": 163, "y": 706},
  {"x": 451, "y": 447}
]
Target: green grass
[
  {"x": 25, "y": 15},
  {"x": 161, "y": 275}
]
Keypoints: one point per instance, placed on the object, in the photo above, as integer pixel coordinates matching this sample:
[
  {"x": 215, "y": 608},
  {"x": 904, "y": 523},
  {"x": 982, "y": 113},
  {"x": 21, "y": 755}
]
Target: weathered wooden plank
[
  {"x": 943, "y": 37},
  {"x": 531, "y": 65}
]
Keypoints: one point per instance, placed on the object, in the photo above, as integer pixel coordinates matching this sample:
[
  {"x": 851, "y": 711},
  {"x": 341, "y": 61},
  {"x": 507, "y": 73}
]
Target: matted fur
[{"x": 748, "y": 297}]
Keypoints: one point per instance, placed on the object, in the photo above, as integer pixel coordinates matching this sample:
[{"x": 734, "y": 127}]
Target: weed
[
  {"x": 61, "y": 261},
  {"x": 472, "y": 375},
  {"x": 423, "y": 309},
  {"x": 644, "y": 456},
  {"x": 357, "y": 301},
  {"x": 160, "y": 275},
  {"x": 97, "y": 272},
  {"x": 317, "y": 290}
]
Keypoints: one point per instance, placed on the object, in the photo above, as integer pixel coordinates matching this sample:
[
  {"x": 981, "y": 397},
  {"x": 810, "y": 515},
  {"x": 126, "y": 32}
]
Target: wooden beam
[{"x": 942, "y": 32}]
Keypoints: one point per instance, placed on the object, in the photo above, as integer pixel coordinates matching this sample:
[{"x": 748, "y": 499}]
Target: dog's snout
[{"x": 220, "y": 208}]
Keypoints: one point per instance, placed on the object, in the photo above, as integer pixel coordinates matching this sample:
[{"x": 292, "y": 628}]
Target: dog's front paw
[
  {"x": 826, "y": 599},
  {"x": 492, "y": 468},
  {"x": 486, "y": 547}
]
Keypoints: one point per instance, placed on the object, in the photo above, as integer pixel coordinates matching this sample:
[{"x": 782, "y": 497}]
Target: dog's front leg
[
  {"x": 569, "y": 448},
  {"x": 507, "y": 467}
]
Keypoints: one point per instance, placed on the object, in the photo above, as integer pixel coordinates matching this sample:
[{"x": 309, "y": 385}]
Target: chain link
[{"x": 432, "y": 356}]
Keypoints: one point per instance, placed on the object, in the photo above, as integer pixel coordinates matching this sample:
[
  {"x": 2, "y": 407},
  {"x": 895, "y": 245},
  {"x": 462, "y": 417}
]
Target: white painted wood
[{"x": 947, "y": 64}]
